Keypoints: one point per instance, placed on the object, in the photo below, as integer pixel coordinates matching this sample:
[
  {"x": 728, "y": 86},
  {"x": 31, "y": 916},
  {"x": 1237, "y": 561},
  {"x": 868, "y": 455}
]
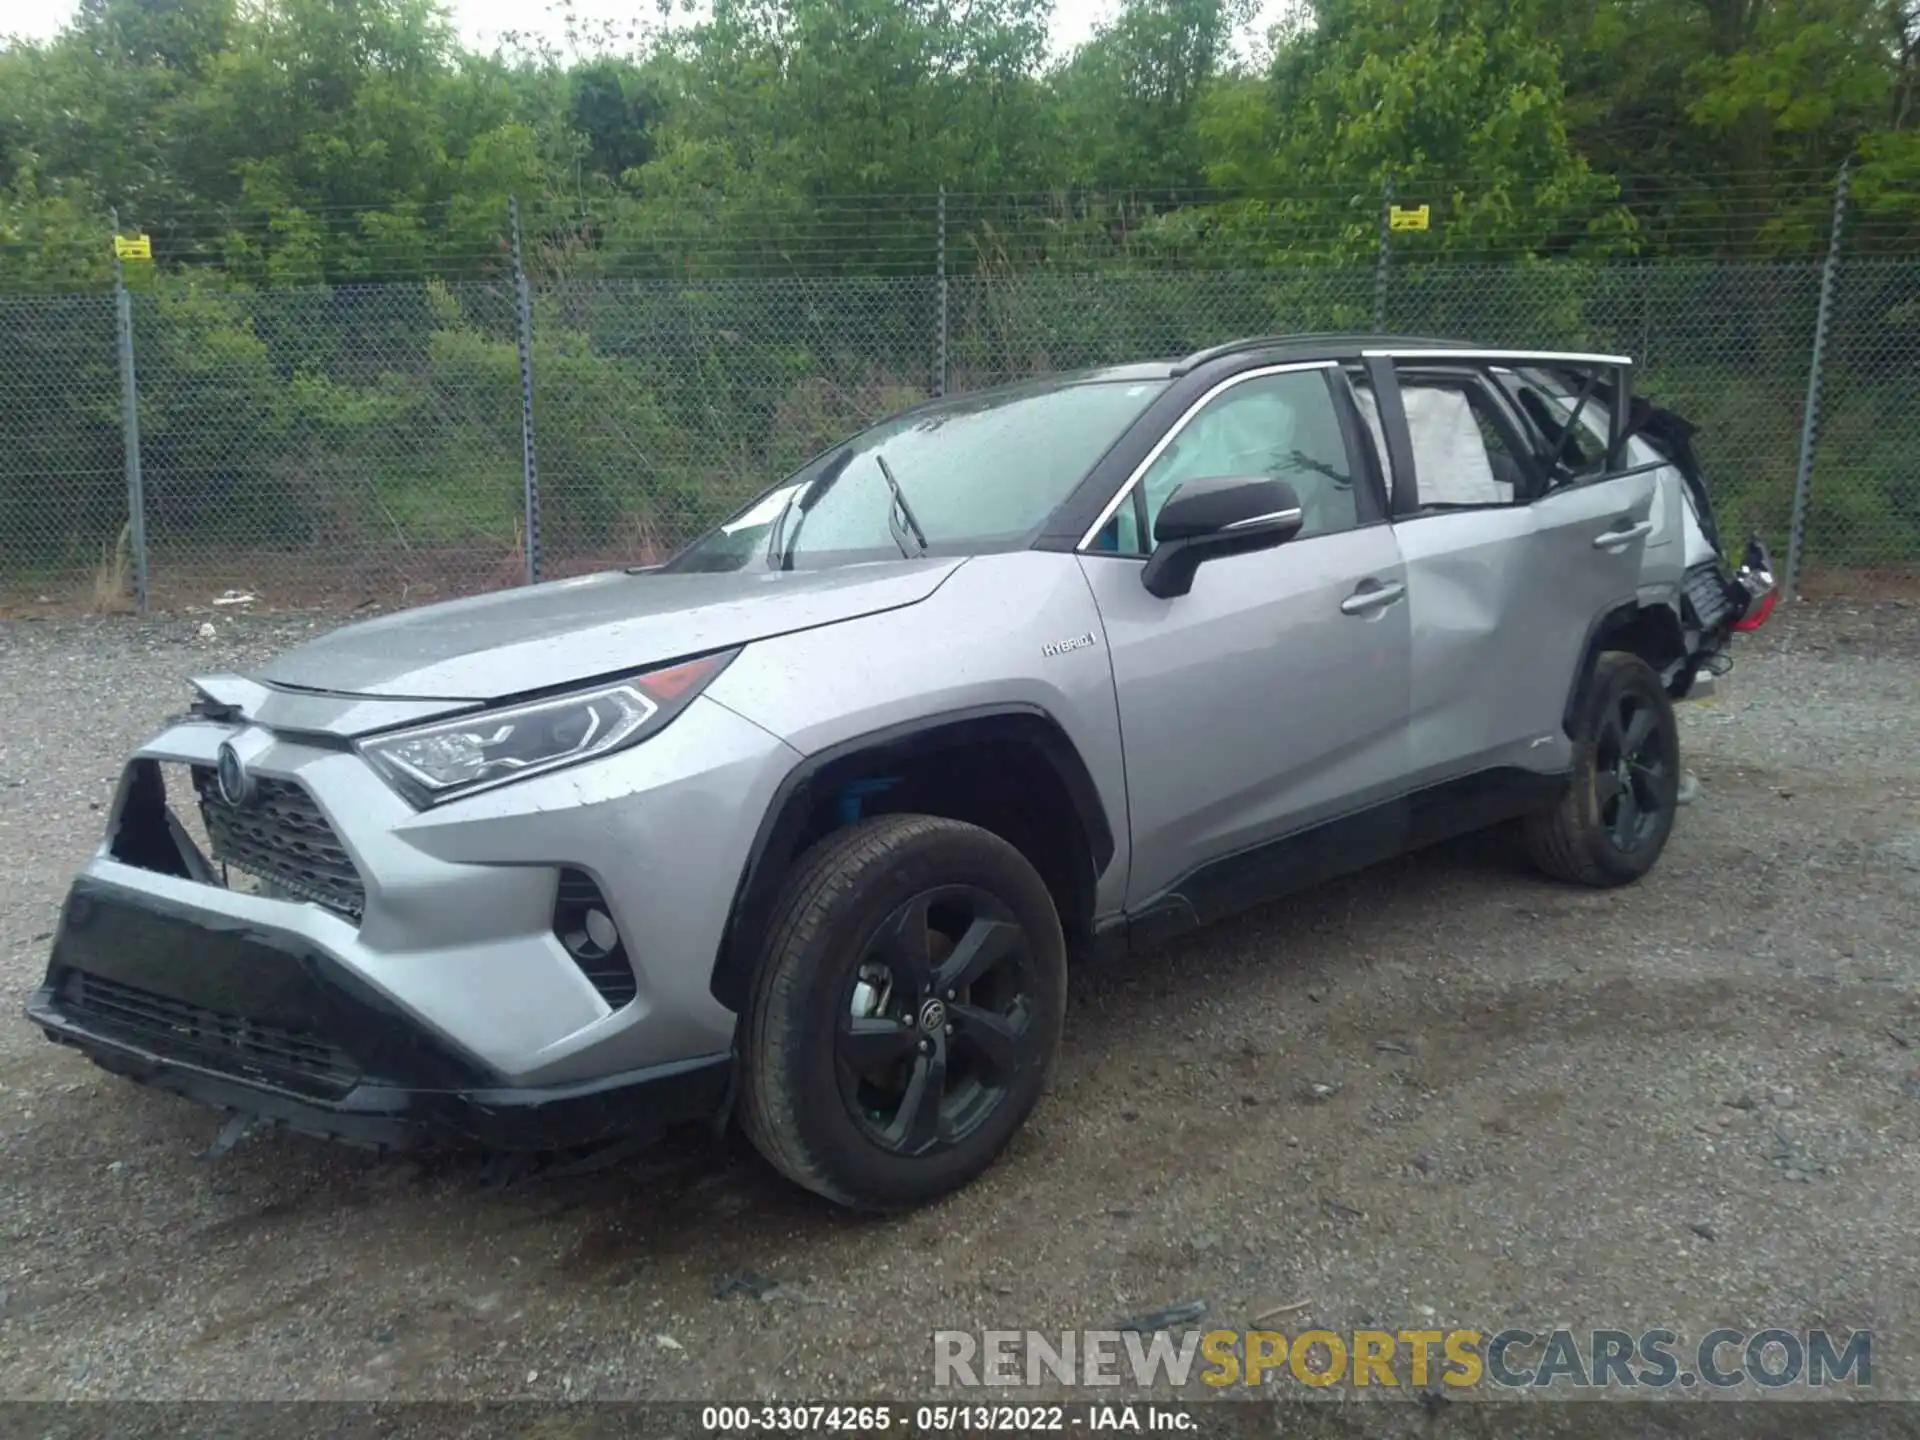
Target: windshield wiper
[{"x": 906, "y": 510}]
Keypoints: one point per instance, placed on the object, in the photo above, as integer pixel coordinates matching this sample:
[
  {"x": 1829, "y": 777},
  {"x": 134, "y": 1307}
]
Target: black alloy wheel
[
  {"x": 1633, "y": 787},
  {"x": 1611, "y": 822},
  {"x": 939, "y": 1018},
  {"x": 906, "y": 1013}
]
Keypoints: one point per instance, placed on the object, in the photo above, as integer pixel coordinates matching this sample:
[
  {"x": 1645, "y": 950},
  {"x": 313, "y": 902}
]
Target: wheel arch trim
[
  {"x": 1611, "y": 617},
  {"x": 776, "y": 840}
]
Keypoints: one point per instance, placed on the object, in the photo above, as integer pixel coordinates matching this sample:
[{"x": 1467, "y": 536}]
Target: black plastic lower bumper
[{"x": 257, "y": 1023}]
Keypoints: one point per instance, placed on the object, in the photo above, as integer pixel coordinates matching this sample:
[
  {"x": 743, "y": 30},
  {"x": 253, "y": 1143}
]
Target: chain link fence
[
  {"x": 1863, "y": 511},
  {"x": 324, "y": 447},
  {"x": 660, "y": 408},
  {"x": 63, "y": 495},
  {"x": 332, "y": 448}
]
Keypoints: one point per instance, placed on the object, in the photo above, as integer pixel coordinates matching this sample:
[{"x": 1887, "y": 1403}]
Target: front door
[{"x": 1274, "y": 694}]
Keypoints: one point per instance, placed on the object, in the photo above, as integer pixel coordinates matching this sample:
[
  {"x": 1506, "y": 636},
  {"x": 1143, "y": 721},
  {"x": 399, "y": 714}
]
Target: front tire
[
  {"x": 906, "y": 1013},
  {"x": 1613, "y": 821}
]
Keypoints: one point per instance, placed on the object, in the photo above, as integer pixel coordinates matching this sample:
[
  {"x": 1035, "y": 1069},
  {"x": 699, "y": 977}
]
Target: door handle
[
  {"x": 1622, "y": 536},
  {"x": 1364, "y": 601}
]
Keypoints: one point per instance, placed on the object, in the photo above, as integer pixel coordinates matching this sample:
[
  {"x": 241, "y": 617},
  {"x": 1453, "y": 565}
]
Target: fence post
[
  {"x": 1645, "y": 358},
  {"x": 529, "y": 472},
  {"x": 130, "y": 425},
  {"x": 1810, "y": 418},
  {"x": 940, "y": 274},
  {"x": 1386, "y": 251}
]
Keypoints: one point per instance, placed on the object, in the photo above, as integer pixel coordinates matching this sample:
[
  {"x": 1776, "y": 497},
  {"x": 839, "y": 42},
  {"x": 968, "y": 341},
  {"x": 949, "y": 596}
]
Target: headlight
[{"x": 432, "y": 763}]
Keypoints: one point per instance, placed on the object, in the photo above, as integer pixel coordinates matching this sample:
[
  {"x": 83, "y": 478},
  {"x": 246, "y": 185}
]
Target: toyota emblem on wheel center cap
[
  {"x": 236, "y": 785},
  {"x": 933, "y": 1017}
]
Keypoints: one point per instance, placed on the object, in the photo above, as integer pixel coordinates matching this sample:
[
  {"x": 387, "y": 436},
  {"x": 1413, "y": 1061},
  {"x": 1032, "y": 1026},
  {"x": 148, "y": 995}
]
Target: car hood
[{"x": 515, "y": 641}]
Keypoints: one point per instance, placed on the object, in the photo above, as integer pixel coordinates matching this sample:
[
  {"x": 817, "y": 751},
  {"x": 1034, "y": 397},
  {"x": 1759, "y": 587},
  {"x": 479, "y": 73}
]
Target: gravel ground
[{"x": 1441, "y": 1093}]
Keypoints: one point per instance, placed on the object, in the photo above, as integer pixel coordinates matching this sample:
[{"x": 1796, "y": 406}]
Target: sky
[{"x": 481, "y": 22}]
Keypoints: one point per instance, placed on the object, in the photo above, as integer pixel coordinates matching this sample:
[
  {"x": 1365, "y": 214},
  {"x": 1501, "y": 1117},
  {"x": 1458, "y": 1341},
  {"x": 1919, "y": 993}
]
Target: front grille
[
  {"x": 180, "y": 1030},
  {"x": 282, "y": 837}
]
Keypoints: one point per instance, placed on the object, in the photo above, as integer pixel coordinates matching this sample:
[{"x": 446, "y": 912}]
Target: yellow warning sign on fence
[
  {"x": 1409, "y": 217},
  {"x": 132, "y": 247}
]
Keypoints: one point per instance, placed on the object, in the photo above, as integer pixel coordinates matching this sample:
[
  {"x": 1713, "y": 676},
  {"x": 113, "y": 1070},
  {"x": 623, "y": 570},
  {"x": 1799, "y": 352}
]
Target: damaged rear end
[
  {"x": 1719, "y": 597},
  {"x": 1694, "y": 594}
]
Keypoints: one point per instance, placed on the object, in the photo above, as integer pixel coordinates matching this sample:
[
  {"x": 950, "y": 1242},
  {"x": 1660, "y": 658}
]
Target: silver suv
[{"x": 802, "y": 826}]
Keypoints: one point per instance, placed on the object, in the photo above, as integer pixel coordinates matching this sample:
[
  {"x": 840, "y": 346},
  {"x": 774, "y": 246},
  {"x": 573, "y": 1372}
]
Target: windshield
[{"x": 975, "y": 473}]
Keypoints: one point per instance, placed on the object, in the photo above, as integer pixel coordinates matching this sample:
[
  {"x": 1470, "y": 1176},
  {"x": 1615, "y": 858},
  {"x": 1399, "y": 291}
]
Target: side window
[
  {"x": 1569, "y": 449},
  {"x": 1280, "y": 426},
  {"x": 1461, "y": 453}
]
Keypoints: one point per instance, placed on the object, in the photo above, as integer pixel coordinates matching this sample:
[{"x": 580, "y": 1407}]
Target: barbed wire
[
  {"x": 1781, "y": 215},
  {"x": 1718, "y": 188}
]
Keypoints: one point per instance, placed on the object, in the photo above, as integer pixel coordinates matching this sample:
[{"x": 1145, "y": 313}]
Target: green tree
[
  {"x": 615, "y": 106},
  {"x": 1128, "y": 100},
  {"x": 1726, "y": 120},
  {"x": 1459, "y": 103}
]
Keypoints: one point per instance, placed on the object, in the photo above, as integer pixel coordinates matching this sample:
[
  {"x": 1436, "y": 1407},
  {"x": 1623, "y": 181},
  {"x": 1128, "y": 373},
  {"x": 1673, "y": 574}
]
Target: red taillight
[{"x": 1757, "y": 616}]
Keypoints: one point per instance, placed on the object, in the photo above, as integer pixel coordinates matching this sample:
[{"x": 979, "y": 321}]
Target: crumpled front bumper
[
  {"x": 448, "y": 1004},
  {"x": 260, "y": 1024}
]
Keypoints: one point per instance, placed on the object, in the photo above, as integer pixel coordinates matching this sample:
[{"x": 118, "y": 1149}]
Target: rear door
[
  {"x": 1533, "y": 390},
  {"x": 1514, "y": 545}
]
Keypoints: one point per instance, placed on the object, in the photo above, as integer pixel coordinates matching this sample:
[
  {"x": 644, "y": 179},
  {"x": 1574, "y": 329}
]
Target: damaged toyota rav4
[{"x": 799, "y": 828}]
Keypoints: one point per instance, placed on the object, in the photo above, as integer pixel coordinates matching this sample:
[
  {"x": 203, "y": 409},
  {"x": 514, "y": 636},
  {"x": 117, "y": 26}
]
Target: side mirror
[{"x": 1206, "y": 519}]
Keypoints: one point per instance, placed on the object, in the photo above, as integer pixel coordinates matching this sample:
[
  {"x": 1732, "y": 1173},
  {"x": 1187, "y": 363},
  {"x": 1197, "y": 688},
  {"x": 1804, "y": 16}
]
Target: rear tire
[
  {"x": 1612, "y": 823},
  {"x": 906, "y": 1012}
]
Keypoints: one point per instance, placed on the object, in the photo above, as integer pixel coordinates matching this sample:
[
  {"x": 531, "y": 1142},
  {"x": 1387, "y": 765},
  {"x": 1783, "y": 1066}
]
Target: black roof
[
  {"x": 1306, "y": 345},
  {"x": 1339, "y": 345},
  {"x": 1330, "y": 345}
]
